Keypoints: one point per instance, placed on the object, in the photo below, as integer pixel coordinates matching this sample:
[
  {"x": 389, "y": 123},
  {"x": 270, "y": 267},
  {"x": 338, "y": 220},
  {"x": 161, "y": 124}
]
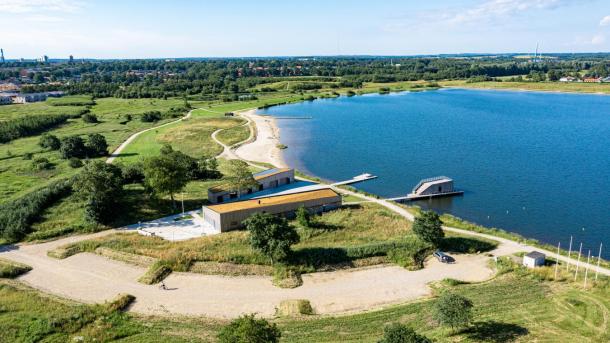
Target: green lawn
[
  {"x": 577, "y": 87},
  {"x": 234, "y": 135}
]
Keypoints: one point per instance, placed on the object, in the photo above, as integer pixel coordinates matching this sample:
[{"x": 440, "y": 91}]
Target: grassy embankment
[
  {"x": 575, "y": 87},
  {"x": 517, "y": 306},
  {"x": 351, "y": 236}
]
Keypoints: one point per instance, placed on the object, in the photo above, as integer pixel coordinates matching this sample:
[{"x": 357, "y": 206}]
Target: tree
[
  {"x": 452, "y": 310},
  {"x": 399, "y": 333},
  {"x": 90, "y": 118},
  {"x": 271, "y": 235},
  {"x": 49, "y": 141},
  {"x": 248, "y": 329},
  {"x": 72, "y": 146},
  {"x": 100, "y": 184},
  {"x": 240, "y": 177},
  {"x": 96, "y": 145},
  {"x": 165, "y": 175},
  {"x": 303, "y": 217},
  {"x": 428, "y": 227}
]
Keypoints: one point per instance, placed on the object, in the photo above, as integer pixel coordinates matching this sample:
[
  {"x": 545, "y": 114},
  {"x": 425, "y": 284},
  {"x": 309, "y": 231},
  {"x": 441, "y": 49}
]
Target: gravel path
[{"x": 91, "y": 278}]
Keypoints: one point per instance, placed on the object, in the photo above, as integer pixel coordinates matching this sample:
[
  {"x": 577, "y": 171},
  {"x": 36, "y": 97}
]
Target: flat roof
[
  {"x": 273, "y": 200},
  {"x": 535, "y": 254},
  {"x": 257, "y": 177}
]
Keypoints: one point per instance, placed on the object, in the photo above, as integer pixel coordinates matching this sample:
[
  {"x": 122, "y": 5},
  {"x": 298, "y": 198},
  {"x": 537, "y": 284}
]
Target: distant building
[
  {"x": 229, "y": 216},
  {"x": 43, "y": 59},
  {"x": 606, "y": 79},
  {"x": 9, "y": 86},
  {"x": 266, "y": 179},
  {"x": 534, "y": 259},
  {"x": 35, "y": 97},
  {"x": 592, "y": 79},
  {"x": 568, "y": 79},
  {"x": 71, "y": 59}
]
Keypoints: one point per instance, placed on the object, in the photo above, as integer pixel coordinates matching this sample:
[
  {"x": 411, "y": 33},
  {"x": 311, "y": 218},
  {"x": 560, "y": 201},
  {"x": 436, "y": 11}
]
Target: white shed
[{"x": 534, "y": 259}]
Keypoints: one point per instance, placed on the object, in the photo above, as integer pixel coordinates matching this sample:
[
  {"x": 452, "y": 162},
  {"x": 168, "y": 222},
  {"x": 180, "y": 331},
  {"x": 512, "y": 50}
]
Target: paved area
[
  {"x": 92, "y": 278},
  {"x": 177, "y": 227}
]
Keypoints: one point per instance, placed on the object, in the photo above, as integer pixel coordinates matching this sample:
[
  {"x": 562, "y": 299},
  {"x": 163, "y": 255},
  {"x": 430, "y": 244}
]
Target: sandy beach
[{"x": 263, "y": 143}]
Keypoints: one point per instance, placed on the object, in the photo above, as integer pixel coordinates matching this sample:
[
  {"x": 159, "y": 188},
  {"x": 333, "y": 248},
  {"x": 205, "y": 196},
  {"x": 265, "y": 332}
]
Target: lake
[{"x": 537, "y": 164}]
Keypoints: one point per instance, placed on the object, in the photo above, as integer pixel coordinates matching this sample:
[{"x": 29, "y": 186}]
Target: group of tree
[
  {"x": 75, "y": 146},
  {"x": 229, "y": 79},
  {"x": 168, "y": 173},
  {"x": 28, "y": 126},
  {"x": 428, "y": 227}
]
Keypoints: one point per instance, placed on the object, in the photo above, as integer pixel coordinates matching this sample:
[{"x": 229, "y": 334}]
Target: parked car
[{"x": 442, "y": 257}]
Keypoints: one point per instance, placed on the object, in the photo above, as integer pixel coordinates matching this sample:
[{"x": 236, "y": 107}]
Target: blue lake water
[{"x": 533, "y": 163}]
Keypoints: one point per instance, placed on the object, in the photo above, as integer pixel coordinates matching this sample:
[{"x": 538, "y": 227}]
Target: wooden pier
[{"x": 356, "y": 179}]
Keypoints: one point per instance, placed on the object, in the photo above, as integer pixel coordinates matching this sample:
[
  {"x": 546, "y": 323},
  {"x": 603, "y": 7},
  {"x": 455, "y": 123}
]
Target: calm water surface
[{"x": 533, "y": 163}]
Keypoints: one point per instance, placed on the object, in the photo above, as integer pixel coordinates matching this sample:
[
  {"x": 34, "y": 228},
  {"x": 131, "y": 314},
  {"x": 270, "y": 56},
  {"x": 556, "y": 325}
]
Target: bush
[
  {"x": 453, "y": 310},
  {"x": 248, "y": 329},
  {"x": 17, "y": 216},
  {"x": 72, "y": 146},
  {"x": 150, "y": 116},
  {"x": 303, "y": 217},
  {"x": 90, "y": 118},
  {"x": 28, "y": 156},
  {"x": 28, "y": 126},
  {"x": 133, "y": 173},
  {"x": 96, "y": 145},
  {"x": 100, "y": 184},
  {"x": 428, "y": 227},
  {"x": 42, "y": 163},
  {"x": 271, "y": 235},
  {"x": 49, "y": 141},
  {"x": 399, "y": 333},
  {"x": 75, "y": 162}
]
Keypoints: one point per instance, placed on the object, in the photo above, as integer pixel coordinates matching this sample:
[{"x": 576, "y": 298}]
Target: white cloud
[
  {"x": 30, "y": 6},
  {"x": 605, "y": 21},
  {"x": 40, "y": 18},
  {"x": 492, "y": 9},
  {"x": 598, "y": 39}
]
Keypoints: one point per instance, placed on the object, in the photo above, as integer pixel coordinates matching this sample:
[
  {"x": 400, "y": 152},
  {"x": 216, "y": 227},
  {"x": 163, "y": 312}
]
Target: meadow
[{"x": 573, "y": 87}]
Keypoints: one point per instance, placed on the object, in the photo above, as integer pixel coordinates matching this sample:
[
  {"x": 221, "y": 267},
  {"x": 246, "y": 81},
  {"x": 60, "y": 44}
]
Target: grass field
[
  {"x": 575, "y": 87},
  {"x": 515, "y": 307},
  {"x": 338, "y": 237}
]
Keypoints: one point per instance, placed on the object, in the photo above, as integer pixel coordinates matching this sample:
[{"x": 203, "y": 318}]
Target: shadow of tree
[
  {"x": 317, "y": 257},
  {"x": 495, "y": 332},
  {"x": 465, "y": 245}
]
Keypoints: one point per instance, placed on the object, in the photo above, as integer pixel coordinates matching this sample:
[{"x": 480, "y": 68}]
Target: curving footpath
[{"x": 117, "y": 152}]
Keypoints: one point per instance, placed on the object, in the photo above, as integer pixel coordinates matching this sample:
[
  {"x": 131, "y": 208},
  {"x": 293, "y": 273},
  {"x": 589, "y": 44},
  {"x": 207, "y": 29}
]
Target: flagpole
[
  {"x": 578, "y": 262},
  {"x": 569, "y": 255},
  {"x": 557, "y": 262},
  {"x": 599, "y": 257},
  {"x": 587, "y": 269}
]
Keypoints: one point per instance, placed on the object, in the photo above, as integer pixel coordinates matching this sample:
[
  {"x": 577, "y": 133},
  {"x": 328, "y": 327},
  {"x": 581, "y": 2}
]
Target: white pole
[
  {"x": 569, "y": 255},
  {"x": 578, "y": 262},
  {"x": 587, "y": 269},
  {"x": 183, "y": 203},
  {"x": 557, "y": 262},
  {"x": 599, "y": 257}
]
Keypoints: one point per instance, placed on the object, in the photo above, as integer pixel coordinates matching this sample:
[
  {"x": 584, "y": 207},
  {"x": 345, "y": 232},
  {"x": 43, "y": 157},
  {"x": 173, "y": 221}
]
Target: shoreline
[{"x": 262, "y": 146}]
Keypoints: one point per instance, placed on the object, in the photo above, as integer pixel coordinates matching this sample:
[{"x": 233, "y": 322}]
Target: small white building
[
  {"x": 534, "y": 259},
  {"x": 271, "y": 178},
  {"x": 568, "y": 79}
]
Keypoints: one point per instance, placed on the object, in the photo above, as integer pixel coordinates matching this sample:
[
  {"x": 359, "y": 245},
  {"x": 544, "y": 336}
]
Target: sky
[{"x": 229, "y": 28}]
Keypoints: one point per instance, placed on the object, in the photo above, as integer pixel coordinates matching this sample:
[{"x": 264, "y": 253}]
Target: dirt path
[
  {"x": 92, "y": 278},
  {"x": 117, "y": 152}
]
